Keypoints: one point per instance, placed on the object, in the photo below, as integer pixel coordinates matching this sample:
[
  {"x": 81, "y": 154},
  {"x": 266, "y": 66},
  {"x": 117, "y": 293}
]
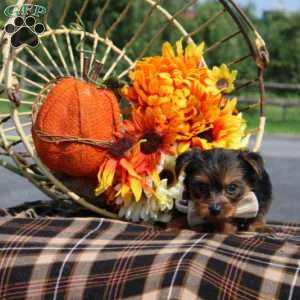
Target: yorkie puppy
[{"x": 218, "y": 183}]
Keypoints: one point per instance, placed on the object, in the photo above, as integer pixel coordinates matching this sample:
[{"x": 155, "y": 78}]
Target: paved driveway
[{"x": 282, "y": 156}]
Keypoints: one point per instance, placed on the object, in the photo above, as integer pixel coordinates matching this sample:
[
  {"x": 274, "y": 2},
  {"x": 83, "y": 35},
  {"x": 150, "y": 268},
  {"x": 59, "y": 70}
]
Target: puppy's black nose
[{"x": 215, "y": 209}]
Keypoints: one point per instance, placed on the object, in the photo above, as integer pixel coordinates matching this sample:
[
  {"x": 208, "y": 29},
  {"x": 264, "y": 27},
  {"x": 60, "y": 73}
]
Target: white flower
[
  {"x": 169, "y": 189},
  {"x": 144, "y": 210},
  {"x": 157, "y": 205}
]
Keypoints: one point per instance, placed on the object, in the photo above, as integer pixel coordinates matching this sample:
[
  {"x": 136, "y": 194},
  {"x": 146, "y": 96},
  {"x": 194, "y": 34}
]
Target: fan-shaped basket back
[{"x": 97, "y": 30}]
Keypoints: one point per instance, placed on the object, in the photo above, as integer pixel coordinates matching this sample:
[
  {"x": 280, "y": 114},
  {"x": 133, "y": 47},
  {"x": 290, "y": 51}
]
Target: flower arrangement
[{"x": 176, "y": 102}]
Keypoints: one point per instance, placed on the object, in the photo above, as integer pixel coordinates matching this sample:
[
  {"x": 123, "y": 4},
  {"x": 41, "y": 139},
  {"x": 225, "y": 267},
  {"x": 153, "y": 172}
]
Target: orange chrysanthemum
[
  {"x": 176, "y": 86},
  {"x": 168, "y": 80}
]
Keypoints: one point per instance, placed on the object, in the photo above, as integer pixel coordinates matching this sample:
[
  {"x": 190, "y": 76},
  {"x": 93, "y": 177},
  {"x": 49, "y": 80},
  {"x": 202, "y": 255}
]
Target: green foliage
[
  {"x": 276, "y": 124},
  {"x": 280, "y": 31},
  {"x": 282, "y": 35},
  {"x": 3, "y": 4}
]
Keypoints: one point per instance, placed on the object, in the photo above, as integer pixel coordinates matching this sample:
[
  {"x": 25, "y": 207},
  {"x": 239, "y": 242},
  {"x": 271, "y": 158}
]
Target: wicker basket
[{"x": 62, "y": 50}]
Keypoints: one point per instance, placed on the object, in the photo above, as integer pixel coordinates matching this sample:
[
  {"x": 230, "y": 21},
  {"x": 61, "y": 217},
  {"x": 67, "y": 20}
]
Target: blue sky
[{"x": 261, "y": 5}]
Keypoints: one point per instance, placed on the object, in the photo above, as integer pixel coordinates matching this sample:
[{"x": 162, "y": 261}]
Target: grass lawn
[
  {"x": 275, "y": 123},
  {"x": 4, "y": 108}
]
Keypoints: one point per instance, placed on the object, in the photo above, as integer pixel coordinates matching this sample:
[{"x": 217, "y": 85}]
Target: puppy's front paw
[
  {"x": 229, "y": 228},
  {"x": 261, "y": 229},
  {"x": 259, "y": 225}
]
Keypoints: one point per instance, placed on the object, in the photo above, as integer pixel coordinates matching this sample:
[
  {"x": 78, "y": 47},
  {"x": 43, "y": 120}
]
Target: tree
[
  {"x": 282, "y": 35},
  {"x": 280, "y": 30}
]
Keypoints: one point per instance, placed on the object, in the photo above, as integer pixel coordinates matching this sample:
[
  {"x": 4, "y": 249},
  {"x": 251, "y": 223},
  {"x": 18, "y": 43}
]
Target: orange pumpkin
[{"x": 78, "y": 109}]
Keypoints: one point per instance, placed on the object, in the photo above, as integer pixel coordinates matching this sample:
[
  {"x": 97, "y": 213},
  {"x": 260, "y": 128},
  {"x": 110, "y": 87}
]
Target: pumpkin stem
[
  {"x": 96, "y": 69},
  {"x": 86, "y": 68}
]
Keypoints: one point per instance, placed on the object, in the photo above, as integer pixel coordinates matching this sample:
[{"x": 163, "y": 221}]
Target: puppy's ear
[
  {"x": 185, "y": 158},
  {"x": 254, "y": 161}
]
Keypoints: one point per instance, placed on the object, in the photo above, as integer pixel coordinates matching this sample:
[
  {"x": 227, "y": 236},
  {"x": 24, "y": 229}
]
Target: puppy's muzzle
[{"x": 215, "y": 209}]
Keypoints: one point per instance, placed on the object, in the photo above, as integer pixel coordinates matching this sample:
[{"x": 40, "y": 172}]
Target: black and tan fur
[{"x": 216, "y": 180}]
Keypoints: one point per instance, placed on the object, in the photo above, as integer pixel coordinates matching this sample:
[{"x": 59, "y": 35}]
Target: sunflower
[
  {"x": 203, "y": 111},
  {"x": 114, "y": 161},
  {"x": 135, "y": 155},
  {"x": 220, "y": 80},
  {"x": 154, "y": 137},
  {"x": 226, "y": 130},
  {"x": 122, "y": 175}
]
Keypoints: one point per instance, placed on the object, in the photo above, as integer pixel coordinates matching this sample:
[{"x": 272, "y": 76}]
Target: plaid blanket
[{"x": 94, "y": 258}]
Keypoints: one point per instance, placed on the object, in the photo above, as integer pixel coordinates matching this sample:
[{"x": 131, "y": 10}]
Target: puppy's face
[
  {"x": 217, "y": 180},
  {"x": 217, "y": 193}
]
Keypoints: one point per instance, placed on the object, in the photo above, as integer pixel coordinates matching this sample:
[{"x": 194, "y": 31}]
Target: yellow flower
[
  {"x": 227, "y": 130},
  {"x": 220, "y": 80},
  {"x": 167, "y": 189},
  {"x": 106, "y": 176}
]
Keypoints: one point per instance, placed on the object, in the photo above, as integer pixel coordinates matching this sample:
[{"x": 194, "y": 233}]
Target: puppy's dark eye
[
  {"x": 200, "y": 189},
  {"x": 232, "y": 189}
]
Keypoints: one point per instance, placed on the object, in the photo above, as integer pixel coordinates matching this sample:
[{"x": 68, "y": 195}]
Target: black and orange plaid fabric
[{"x": 94, "y": 258}]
